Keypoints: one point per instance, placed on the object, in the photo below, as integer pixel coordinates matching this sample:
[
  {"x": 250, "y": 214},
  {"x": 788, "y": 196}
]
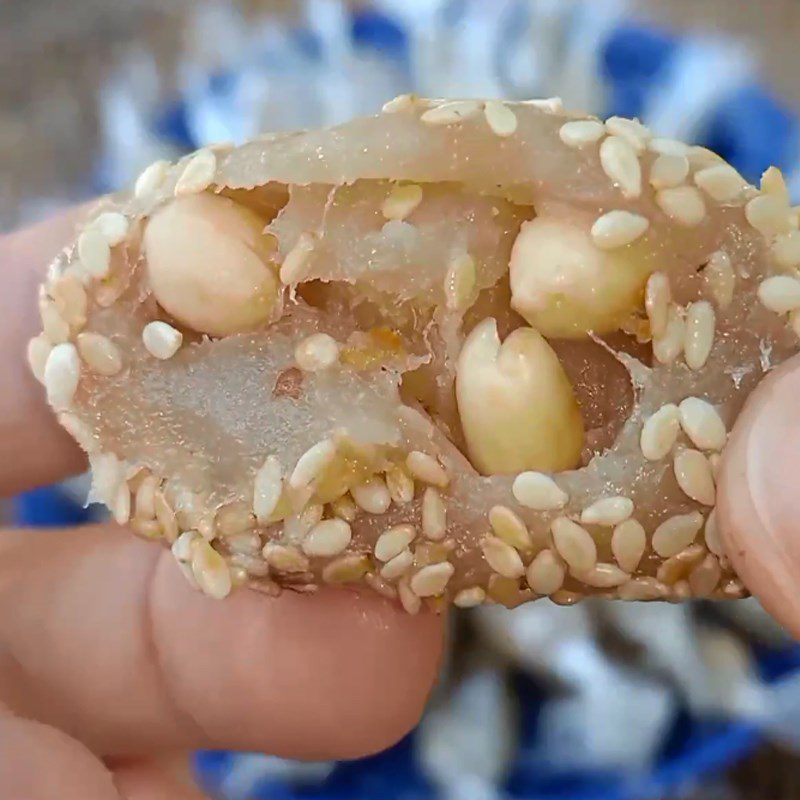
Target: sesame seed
[
  {"x": 434, "y": 515},
  {"x": 267, "y": 489},
  {"x": 580, "y": 132},
  {"x": 451, "y": 112},
  {"x": 545, "y": 574},
  {"x": 677, "y": 567},
  {"x": 500, "y": 118},
  {"x": 165, "y": 517},
  {"x": 246, "y": 543},
  {"x": 780, "y": 294},
  {"x": 470, "y": 597},
  {"x": 668, "y": 172},
  {"x": 400, "y": 484},
  {"x": 372, "y": 496},
  {"x": 161, "y": 340},
  {"x": 668, "y": 147},
  {"x": 550, "y": 105},
  {"x": 702, "y": 424},
  {"x": 206, "y": 528},
  {"x": 295, "y": 266},
  {"x": 459, "y": 282},
  {"x": 410, "y": 602},
  {"x": 283, "y": 558},
  {"x": 112, "y": 225},
  {"x": 347, "y": 569},
  {"x": 393, "y": 541},
  {"x": 785, "y": 250},
  {"x": 198, "y": 173},
  {"x": 402, "y": 200},
  {"x": 660, "y": 432},
  {"x": 711, "y": 534},
  {"x": 70, "y": 299},
  {"x": 151, "y": 179},
  {"x": 699, "y": 336},
  {"x": 642, "y": 589},
  {"x": 769, "y": 215},
  {"x": 628, "y": 543},
  {"x": 297, "y": 526},
  {"x": 146, "y": 528},
  {"x": 327, "y": 538},
  {"x": 183, "y": 546},
  {"x": 100, "y": 353},
  {"x": 702, "y": 157},
  {"x": 509, "y": 527},
  {"x": 682, "y": 204},
  {"x": 607, "y": 511},
  {"x": 37, "y": 353},
  {"x": 312, "y": 463},
  {"x": 721, "y": 182},
  {"x": 668, "y": 346},
  {"x": 398, "y": 566},
  {"x": 657, "y": 300},
  {"x": 772, "y": 182},
  {"x": 403, "y": 102},
  {"x": 621, "y": 164},
  {"x": 693, "y": 473},
  {"x": 538, "y": 491},
  {"x": 56, "y": 328},
  {"x": 631, "y": 130},
  {"x": 432, "y": 580},
  {"x": 618, "y": 228},
  {"x": 676, "y": 533},
  {"x": 714, "y": 460},
  {"x": 122, "y": 504},
  {"x": 145, "y": 499},
  {"x": 574, "y": 544},
  {"x": 234, "y": 518},
  {"x": 427, "y": 469},
  {"x": 344, "y": 507},
  {"x": 94, "y": 253},
  {"x": 210, "y": 571},
  {"x": 604, "y": 576},
  {"x": 720, "y": 278},
  {"x": 502, "y": 557},
  {"x": 316, "y": 352},
  {"x": 62, "y": 372},
  {"x": 734, "y": 589},
  {"x": 703, "y": 579}
]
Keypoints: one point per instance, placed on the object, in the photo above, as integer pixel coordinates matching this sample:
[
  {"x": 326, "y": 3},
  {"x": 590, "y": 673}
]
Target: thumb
[{"x": 758, "y": 497}]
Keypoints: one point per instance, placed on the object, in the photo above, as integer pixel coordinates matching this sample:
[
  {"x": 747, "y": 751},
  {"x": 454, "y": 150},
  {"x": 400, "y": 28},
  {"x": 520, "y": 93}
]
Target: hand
[{"x": 110, "y": 662}]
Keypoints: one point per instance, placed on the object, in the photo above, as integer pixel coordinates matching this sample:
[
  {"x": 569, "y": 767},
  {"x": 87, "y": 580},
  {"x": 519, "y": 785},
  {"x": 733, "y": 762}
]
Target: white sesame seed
[
  {"x": 720, "y": 278},
  {"x": 56, "y": 328},
  {"x": 660, "y": 432},
  {"x": 470, "y": 597},
  {"x": 312, "y": 463},
  {"x": 700, "y": 157},
  {"x": 398, "y": 566},
  {"x": 347, "y": 569},
  {"x": 768, "y": 214},
  {"x": 721, "y": 182},
  {"x": 210, "y": 571},
  {"x": 631, "y": 130},
  {"x": 713, "y": 542},
  {"x": 70, "y": 299},
  {"x": 94, "y": 253},
  {"x": 642, "y": 589},
  {"x": 699, "y": 336},
  {"x": 459, "y": 282},
  {"x": 509, "y": 527},
  {"x": 267, "y": 489},
  {"x": 668, "y": 346},
  {"x": 607, "y": 511},
  {"x": 427, "y": 469},
  {"x": 432, "y": 580},
  {"x": 146, "y": 528},
  {"x": 621, "y": 164},
  {"x": 410, "y": 602},
  {"x": 283, "y": 558},
  {"x": 295, "y": 266},
  {"x": 403, "y": 102},
  {"x": 151, "y": 179},
  {"x": 502, "y": 557},
  {"x": 234, "y": 518},
  {"x": 401, "y": 201},
  {"x": 62, "y": 372},
  {"x": 393, "y": 541},
  {"x": 786, "y": 250},
  {"x": 183, "y": 546},
  {"x": 580, "y": 132},
  {"x": 122, "y": 504},
  {"x": 603, "y": 576},
  {"x": 38, "y": 350},
  {"x": 772, "y": 182},
  {"x": 297, "y": 526},
  {"x": 618, "y": 228},
  {"x": 657, "y": 300},
  {"x": 165, "y": 517},
  {"x": 100, "y": 353},
  {"x": 344, "y": 507},
  {"x": 500, "y": 118},
  {"x": 316, "y": 352},
  {"x": 400, "y": 484},
  {"x": 702, "y": 424},
  {"x": 714, "y": 460},
  {"x": 780, "y": 294},
  {"x": 550, "y": 105},
  {"x": 574, "y": 544},
  {"x": 538, "y": 491},
  {"x": 683, "y": 204},
  {"x": 628, "y": 543},
  {"x": 145, "y": 498},
  {"x": 327, "y": 538},
  {"x": 198, "y": 173},
  {"x": 676, "y": 533},
  {"x": 703, "y": 579},
  {"x": 669, "y": 171},
  {"x": 668, "y": 147},
  {"x": 112, "y": 225},
  {"x": 161, "y": 340},
  {"x": 434, "y": 515},
  {"x": 246, "y": 543},
  {"x": 372, "y": 496},
  {"x": 545, "y": 574},
  {"x": 693, "y": 473},
  {"x": 451, "y": 112}
]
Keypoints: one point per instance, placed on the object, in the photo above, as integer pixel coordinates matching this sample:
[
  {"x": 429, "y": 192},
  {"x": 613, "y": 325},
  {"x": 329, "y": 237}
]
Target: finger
[
  {"x": 758, "y": 501},
  {"x": 163, "y": 779},
  {"x": 104, "y": 639},
  {"x": 34, "y": 450}
]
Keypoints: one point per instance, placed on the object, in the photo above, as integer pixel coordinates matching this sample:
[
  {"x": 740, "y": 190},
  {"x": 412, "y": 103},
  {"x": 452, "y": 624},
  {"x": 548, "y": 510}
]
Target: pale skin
[{"x": 112, "y": 667}]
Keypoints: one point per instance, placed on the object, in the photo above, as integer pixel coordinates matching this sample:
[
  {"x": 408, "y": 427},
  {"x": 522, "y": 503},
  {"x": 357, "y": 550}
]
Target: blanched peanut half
[
  {"x": 517, "y": 407},
  {"x": 209, "y": 264},
  {"x": 565, "y": 286}
]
